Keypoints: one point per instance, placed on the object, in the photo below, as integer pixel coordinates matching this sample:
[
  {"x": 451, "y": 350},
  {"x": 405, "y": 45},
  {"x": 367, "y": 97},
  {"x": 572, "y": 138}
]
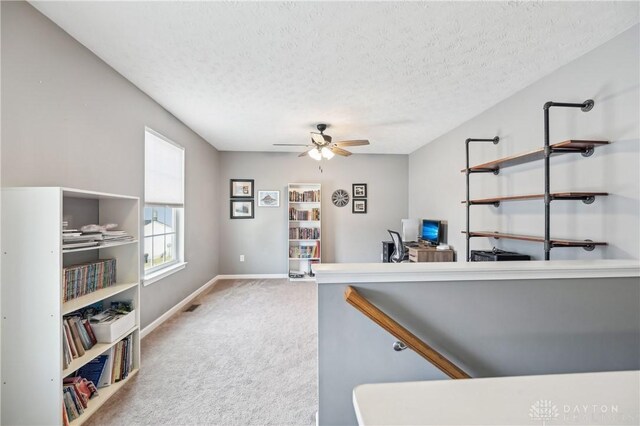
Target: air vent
[{"x": 191, "y": 308}]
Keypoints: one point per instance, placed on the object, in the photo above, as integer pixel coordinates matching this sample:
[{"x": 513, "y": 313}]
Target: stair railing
[{"x": 359, "y": 302}]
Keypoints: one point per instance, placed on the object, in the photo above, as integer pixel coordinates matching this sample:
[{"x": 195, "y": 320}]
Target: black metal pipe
[
  {"x": 468, "y": 173},
  {"x": 547, "y": 185},
  {"x": 584, "y": 106}
]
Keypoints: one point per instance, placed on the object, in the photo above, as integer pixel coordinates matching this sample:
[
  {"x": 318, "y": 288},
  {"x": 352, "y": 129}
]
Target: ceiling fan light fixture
[
  {"x": 315, "y": 154},
  {"x": 326, "y": 153}
]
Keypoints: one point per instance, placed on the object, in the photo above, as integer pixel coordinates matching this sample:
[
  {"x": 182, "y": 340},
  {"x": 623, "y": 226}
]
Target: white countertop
[
  {"x": 327, "y": 273},
  {"x": 561, "y": 399}
]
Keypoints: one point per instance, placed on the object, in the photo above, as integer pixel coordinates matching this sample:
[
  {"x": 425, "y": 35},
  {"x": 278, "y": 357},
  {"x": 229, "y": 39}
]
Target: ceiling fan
[{"x": 322, "y": 146}]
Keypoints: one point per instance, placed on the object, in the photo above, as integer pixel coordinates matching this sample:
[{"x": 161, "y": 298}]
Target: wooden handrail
[{"x": 398, "y": 331}]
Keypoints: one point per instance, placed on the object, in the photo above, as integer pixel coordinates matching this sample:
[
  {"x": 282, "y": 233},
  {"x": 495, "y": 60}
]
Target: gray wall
[
  {"x": 68, "y": 119},
  {"x": 507, "y": 328},
  {"x": 347, "y": 237},
  {"x": 609, "y": 75}
]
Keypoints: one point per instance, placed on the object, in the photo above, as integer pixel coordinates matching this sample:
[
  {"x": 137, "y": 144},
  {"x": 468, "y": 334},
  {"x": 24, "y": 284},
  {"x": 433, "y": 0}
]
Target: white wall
[
  {"x": 609, "y": 75},
  {"x": 347, "y": 237},
  {"x": 68, "y": 119}
]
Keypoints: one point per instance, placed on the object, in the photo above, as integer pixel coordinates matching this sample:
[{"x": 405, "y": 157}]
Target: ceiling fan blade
[
  {"x": 340, "y": 151},
  {"x": 290, "y": 144},
  {"x": 305, "y": 153},
  {"x": 356, "y": 142}
]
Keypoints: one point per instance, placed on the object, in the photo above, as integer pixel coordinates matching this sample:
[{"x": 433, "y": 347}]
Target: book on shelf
[
  {"x": 81, "y": 245},
  {"x": 117, "y": 363},
  {"x": 105, "y": 377},
  {"x": 94, "y": 369},
  {"x": 73, "y": 409},
  {"x": 89, "y": 330},
  {"x": 65, "y": 417}
]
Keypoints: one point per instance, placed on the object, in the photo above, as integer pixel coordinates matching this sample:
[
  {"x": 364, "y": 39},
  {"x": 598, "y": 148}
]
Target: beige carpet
[{"x": 246, "y": 356}]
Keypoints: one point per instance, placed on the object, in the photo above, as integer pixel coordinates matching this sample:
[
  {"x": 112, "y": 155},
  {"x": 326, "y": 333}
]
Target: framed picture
[
  {"x": 359, "y": 190},
  {"x": 268, "y": 198},
  {"x": 241, "y": 188},
  {"x": 241, "y": 209},
  {"x": 359, "y": 206}
]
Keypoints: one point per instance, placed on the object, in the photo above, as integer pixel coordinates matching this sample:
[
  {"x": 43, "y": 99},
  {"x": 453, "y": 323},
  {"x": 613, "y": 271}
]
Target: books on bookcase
[
  {"x": 106, "y": 369},
  {"x": 76, "y": 393},
  {"x": 304, "y": 196},
  {"x": 311, "y": 251},
  {"x": 305, "y": 214},
  {"x": 78, "y": 337},
  {"x": 88, "y": 277},
  {"x": 297, "y": 233}
]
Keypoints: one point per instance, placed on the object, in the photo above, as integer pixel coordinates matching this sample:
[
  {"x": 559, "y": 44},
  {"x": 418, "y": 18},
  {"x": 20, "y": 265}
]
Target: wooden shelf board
[
  {"x": 96, "y": 350},
  {"x": 305, "y": 239},
  {"x": 554, "y": 241},
  {"x": 514, "y": 160},
  {"x": 556, "y": 195},
  {"x": 96, "y": 296},
  {"x": 115, "y": 244},
  {"x": 303, "y": 279},
  {"x": 304, "y": 202},
  {"x": 304, "y": 220},
  {"x": 103, "y": 396}
]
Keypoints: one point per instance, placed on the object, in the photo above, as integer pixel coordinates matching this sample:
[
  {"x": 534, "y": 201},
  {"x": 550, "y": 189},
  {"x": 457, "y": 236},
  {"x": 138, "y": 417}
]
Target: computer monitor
[
  {"x": 430, "y": 231},
  {"x": 410, "y": 230}
]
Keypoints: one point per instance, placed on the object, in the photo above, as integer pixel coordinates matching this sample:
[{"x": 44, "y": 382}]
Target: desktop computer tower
[
  {"x": 496, "y": 255},
  {"x": 410, "y": 230},
  {"x": 387, "y": 251}
]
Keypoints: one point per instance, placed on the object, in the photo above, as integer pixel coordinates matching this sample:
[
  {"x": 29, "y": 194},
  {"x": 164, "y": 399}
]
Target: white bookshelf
[
  {"x": 32, "y": 294},
  {"x": 301, "y": 250}
]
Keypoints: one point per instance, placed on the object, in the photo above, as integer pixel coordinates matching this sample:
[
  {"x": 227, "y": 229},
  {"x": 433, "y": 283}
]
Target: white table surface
[{"x": 563, "y": 399}]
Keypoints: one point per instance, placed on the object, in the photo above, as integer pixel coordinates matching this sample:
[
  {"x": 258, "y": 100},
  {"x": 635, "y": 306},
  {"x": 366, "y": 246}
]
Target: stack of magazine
[
  {"x": 95, "y": 236},
  {"x": 73, "y": 238}
]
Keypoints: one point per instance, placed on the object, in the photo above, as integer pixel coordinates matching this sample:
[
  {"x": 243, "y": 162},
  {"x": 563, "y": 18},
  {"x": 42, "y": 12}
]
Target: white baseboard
[
  {"x": 148, "y": 329},
  {"x": 250, "y": 276}
]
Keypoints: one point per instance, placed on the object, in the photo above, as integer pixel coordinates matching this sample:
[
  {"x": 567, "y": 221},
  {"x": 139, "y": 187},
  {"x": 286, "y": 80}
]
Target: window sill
[{"x": 163, "y": 273}]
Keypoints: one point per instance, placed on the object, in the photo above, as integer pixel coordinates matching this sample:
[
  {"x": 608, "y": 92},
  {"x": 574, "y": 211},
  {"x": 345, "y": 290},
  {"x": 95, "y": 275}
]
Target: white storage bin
[{"x": 110, "y": 331}]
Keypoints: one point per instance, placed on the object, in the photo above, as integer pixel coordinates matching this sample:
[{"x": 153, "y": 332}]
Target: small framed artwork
[
  {"x": 359, "y": 206},
  {"x": 359, "y": 190},
  {"x": 241, "y": 209},
  {"x": 241, "y": 188},
  {"x": 268, "y": 198}
]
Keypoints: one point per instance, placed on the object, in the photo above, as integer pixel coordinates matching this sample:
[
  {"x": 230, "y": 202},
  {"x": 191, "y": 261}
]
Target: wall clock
[{"x": 340, "y": 198}]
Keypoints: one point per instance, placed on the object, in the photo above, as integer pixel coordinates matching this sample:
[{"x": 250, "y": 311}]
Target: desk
[{"x": 425, "y": 253}]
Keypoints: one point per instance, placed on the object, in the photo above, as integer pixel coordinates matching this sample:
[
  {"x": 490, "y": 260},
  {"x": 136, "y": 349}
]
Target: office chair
[{"x": 400, "y": 253}]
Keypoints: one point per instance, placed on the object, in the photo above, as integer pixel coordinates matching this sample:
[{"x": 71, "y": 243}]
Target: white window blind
[{"x": 163, "y": 171}]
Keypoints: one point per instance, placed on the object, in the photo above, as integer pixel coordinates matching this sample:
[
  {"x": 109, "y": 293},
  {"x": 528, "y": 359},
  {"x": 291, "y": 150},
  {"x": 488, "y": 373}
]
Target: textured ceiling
[{"x": 247, "y": 75}]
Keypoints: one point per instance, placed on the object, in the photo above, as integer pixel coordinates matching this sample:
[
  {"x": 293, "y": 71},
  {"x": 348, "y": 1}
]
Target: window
[
  {"x": 160, "y": 237},
  {"x": 164, "y": 206}
]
